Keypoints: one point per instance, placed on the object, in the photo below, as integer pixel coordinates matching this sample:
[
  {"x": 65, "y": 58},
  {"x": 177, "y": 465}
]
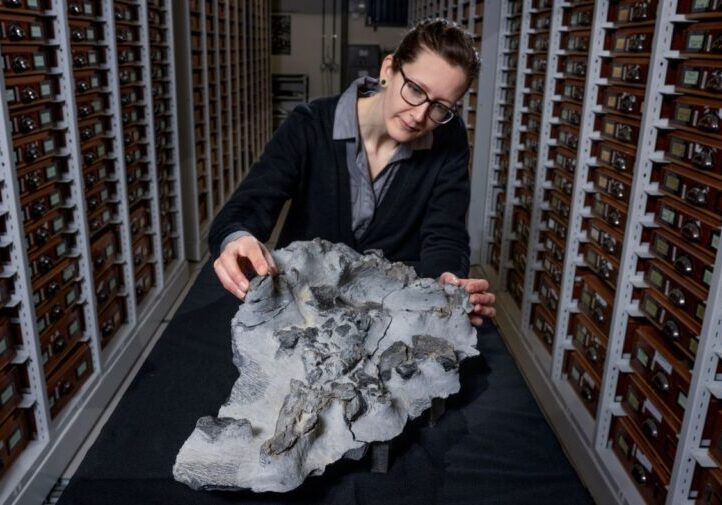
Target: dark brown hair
[{"x": 443, "y": 37}]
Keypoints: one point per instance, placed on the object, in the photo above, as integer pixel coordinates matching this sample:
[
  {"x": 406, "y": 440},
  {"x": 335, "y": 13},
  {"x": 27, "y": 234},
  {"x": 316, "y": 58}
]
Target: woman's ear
[{"x": 386, "y": 70}]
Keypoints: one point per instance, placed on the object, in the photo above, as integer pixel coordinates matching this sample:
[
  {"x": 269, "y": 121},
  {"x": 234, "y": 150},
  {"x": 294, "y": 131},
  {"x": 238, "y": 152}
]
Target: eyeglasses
[{"x": 414, "y": 95}]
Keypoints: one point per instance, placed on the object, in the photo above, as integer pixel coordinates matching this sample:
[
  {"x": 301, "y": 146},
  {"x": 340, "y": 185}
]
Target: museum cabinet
[
  {"x": 126, "y": 125},
  {"x": 596, "y": 212}
]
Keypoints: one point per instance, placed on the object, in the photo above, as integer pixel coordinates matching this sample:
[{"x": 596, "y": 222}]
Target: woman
[{"x": 382, "y": 166}]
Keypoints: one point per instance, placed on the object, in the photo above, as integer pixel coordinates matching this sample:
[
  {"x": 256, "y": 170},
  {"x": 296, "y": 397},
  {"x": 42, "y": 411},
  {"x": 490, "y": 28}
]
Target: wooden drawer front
[
  {"x": 588, "y": 341},
  {"x": 7, "y": 342},
  {"x": 710, "y": 486},
  {"x": 677, "y": 328},
  {"x": 47, "y": 258},
  {"x": 595, "y": 300},
  {"x": 49, "y": 313},
  {"x": 10, "y": 393},
  {"x": 108, "y": 285},
  {"x": 691, "y": 265},
  {"x": 633, "y": 11},
  {"x": 104, "y": 250},
  {"x": 46, "y": 228},
  {"x": 647, "y": 473},
  {"x": 60, "y": 339},
  {"x": 696, "y": 189},
  {"x": 686, "y": 297},
  {"x": 69, "y": 377},
  {"x": 650, "y": 418},
  {"x": 542, "y": 323},
  {"x": 666, "y": 375},
  {"x": 583, "y": 379},
  {"x": 112, "y": 318},
  {"x": 144, "y": 281},
  {"x": 14, "y": 437},
  {"x": 34, "y": 177}
]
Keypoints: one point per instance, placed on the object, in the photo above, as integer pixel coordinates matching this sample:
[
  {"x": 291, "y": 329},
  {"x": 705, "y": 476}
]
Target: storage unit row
[
  {"x": 94, "y": 205},
  {"x": 597, "y": 218}
]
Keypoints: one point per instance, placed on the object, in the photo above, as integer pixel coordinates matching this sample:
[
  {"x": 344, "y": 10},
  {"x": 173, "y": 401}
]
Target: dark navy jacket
[{"x": 420, "y": 221}]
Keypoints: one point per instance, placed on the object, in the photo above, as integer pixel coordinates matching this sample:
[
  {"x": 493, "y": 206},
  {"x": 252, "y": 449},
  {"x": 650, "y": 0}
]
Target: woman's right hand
[{"x": 238, "y": 262}]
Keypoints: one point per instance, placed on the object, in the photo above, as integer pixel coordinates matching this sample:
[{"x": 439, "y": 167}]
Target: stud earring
[{"x": 383, "y": 83}]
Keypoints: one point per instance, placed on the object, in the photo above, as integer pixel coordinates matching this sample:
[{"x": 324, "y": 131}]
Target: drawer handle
[
  {"x": 627, "y": 102},
  {"x": 29, "y": 95},
  {"x": 614, "y": 218},
  {"x": 587, "y": 394},
  {"x": 697, "y": 195},
  {"x": 58, "y": 345},
  {"x": 52, "y": 288},
  {"x": 45, "y": 264},
  {"x": 56, "y": 312},
  {"x": 609, "y": 244},
  {"x": 691, "y": 231},
  {"x": 709, "y": 122},
  {"x": 683, "y": 265},
  {"x": 671, "y": 330},
  {"x": 715, "y": 81},
  {"x": 32, "y": 152},
  {"x": 79, "y": 60},
  {"x": 37, "y": 210},
  {"x": 717, "y": 43},
  {"x": 661, "y": 382},
  {"x": 66, "y": 388},
  {"x": 649, "y": 427},
  {"x": 617, "y": 189},
  {"x": 633, "y": 73},
  {"x": 639, "y": 12},
  {"x": 639, "y": 474},
  {"x": 606, "y": 270},
  {"x": 108, "y": 327},
  {"x": 21, "y": 64},
  {"x": 593, "y": 354},
  {"x": 704, "y": 158},
  {"x": 99, "y": 261},
  {"x": 676, "y": 296},
  {"x": 636, "y": 43},
  {"x": 42, "y": 235}
]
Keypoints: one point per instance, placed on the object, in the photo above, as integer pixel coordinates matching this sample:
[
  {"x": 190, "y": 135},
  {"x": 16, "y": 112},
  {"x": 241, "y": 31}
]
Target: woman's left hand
[{"x": 480, "y": 298}]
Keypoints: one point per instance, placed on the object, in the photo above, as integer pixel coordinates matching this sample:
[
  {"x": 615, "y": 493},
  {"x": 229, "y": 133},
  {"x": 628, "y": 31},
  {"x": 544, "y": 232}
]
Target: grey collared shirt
[{"x": 366, "y": 195}]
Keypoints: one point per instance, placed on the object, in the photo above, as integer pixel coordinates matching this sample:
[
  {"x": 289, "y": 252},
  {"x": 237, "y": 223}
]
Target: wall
[
  {"x": 306, "y": 44},
  {"x": 306, "y": 41}
]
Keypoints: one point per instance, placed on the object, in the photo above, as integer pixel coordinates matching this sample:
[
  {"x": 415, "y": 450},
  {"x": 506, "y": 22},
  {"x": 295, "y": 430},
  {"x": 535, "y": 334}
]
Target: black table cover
[{"x": 492, "y": 446}]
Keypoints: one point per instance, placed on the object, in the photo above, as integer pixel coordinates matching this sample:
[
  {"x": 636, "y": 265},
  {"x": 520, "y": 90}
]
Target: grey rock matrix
[{"x": 337, "y": 351}]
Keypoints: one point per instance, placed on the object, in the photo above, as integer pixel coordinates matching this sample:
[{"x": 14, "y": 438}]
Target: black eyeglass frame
[{"x": 449, "y": 110}]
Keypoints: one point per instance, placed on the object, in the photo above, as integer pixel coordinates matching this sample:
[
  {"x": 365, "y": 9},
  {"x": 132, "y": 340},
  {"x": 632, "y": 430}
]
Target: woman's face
[{"x": 440, "y": 81}]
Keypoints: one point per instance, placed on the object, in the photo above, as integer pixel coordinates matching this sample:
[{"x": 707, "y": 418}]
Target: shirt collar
[{"x": 345, "y": 122}]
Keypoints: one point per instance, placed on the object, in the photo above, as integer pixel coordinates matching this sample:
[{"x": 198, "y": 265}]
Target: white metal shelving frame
[
  {"x": 252, "y": 68},
  {"x": 38, "y": 467},
  {"x": 585, "y": 437}
]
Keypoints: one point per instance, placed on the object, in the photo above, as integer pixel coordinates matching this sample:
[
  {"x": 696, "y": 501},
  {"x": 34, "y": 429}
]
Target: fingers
[
  {"x": 238, "y": 285},
  {"x": 258, "y": 260},
  {"x": 482, "y": 298},
  {"x": 273, "y": 269},
  {"x": 482, "y": 310},
  {"x": 476, "y": 321},
  {"x": 474, "y": 285},
  {"x": 239, "y": 260},
  {"x": 449, "y": 278}
]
